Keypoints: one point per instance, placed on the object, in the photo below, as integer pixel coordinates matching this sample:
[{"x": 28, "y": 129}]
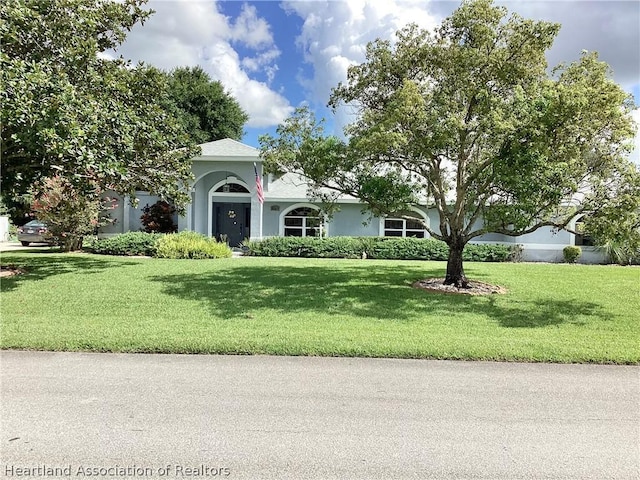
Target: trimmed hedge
[
  {"x": 190, "y": 245},
  {"x": 571, "y": 253},
  {"x": 130, "y": 243},
  {"x": 176, "y": 245},
  {"x": 375, "y": 248}
]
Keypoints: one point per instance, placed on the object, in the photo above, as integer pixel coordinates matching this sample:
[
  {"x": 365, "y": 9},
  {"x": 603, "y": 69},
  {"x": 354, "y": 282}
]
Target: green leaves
[
  {"x": 468, "y": 116},
  {"x": 204, "y": 108},
  {"x": 69, "y": 213},
  {"x": 67, "y": 110}
]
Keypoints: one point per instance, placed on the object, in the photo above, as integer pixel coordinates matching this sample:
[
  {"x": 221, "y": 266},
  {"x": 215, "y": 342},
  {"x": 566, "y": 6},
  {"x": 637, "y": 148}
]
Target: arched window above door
[{"x": 232, "y": 188}]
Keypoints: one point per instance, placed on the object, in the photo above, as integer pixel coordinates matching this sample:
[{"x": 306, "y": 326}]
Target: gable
[{"x": 228, "y": 148}]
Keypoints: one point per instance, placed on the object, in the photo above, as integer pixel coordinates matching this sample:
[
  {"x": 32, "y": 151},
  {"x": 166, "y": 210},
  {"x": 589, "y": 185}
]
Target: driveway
[
  {"x": 259, "y": 417},
  {"x": 12, "y": 246}
]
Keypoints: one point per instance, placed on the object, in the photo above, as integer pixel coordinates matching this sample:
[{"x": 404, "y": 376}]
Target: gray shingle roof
[
  {"x": 228, "y": 148},
  {"x": 291, "y": 186}
]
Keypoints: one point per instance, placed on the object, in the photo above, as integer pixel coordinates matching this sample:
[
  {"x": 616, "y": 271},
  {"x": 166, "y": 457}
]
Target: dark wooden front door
[{"x": 231, "y": 222}]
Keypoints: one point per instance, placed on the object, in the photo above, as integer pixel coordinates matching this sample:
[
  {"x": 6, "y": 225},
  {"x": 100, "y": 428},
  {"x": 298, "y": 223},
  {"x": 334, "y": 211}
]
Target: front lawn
[{"x": 555, "y": 313}]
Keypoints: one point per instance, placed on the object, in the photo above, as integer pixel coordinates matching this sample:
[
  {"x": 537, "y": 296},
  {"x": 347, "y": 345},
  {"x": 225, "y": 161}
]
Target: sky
[{"x": 274, "y": 56}]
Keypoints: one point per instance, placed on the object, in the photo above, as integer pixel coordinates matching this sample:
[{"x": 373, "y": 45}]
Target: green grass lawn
[{"x": 554, "y": 313}]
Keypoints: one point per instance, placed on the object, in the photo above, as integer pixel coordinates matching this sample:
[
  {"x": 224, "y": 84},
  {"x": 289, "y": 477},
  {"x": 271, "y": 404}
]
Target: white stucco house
[{"x": 225, "y": 204}]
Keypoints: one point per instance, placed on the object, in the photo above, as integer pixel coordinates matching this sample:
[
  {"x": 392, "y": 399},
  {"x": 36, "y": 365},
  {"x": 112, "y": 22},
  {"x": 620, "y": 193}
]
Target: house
[{"x": 225, "y": 205}]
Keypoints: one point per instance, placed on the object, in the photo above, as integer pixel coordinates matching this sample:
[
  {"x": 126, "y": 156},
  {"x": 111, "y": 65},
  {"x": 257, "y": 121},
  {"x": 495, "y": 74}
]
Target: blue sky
[{"x": 276, "y": 55}]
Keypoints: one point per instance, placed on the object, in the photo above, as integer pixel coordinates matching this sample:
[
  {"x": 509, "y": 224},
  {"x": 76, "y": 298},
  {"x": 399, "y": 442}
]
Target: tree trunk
[
  {"x": 455, "y": 271},
  {"x": 71, "y": 244}
]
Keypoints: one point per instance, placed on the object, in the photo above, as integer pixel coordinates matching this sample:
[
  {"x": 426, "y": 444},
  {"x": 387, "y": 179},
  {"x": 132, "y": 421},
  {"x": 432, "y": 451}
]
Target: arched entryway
[{"x": 230, "y": 211}]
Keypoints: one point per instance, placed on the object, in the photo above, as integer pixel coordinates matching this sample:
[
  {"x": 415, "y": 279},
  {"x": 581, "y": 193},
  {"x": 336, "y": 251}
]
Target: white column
[
  {"x": 189, "y": 209},
  {"x": 260, "y": 224},
  {"x": 126, "y": 214}
]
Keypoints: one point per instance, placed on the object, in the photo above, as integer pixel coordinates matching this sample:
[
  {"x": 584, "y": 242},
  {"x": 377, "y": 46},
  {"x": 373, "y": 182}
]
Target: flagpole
[{"x": 260, "y": 193}]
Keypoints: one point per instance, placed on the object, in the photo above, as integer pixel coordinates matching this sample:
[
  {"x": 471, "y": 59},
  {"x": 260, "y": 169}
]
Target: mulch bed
[
  {"x": 10, "y": 270},
  {"x": 476, "y": 288}
]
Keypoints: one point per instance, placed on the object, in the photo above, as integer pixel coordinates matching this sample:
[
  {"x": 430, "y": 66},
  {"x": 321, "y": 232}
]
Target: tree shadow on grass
[
  {"x": 373, "y": 290},
  {"x": 545, "y": 312},
  {"x": 51, "y": 262}
]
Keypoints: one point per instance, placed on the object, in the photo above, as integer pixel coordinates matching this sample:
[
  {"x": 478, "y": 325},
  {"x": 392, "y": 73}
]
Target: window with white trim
[
  {"x": 402, "y": 227},
  {"x": 303, "y": 222},
  {"x": 582, "y": 239}
]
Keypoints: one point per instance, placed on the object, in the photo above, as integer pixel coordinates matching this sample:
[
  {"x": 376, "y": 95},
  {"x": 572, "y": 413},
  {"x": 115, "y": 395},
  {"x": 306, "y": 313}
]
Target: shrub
[
  {"x": 131, "y": 243},
  {"x": 70, "y": 214},
  {"x": 373, "y": 247},
  {"x": 159, "y": 218},
  {"x": 190, "y": 245},
  {"x": 486, "y": 252},
  {"x": 331, "y": 247},
  {"x": 408, "y": 249},
  {"x": 571, "y": 253},
  {"x": 622, "y": 253}
]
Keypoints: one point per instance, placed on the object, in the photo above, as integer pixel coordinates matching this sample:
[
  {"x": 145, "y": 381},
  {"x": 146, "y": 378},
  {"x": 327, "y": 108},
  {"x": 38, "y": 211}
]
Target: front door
[{"x": 231, "y": 222}]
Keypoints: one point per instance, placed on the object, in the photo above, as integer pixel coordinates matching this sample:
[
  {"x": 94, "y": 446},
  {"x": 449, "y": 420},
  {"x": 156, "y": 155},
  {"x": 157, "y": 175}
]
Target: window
[
  {"x": 581, "y": 239},
  {"x": 232, "y": 188},
  {"x": 303, "y": 222},
  {"x": 400, "y": 227}
]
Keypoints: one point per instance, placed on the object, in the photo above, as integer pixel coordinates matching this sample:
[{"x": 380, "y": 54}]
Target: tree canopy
[
  {"x": 69, "y": 110},
  {"x": 203, "y": 106},
  {"x": 469, "y": 120}
]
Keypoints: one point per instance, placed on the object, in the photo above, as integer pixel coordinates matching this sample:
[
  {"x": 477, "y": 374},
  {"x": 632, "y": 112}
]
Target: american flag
[{"x": 259, "y": 190}]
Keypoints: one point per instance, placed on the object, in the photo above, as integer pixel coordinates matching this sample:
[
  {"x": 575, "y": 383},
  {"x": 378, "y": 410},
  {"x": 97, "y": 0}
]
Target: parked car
[{"x": 33, "y": 232}]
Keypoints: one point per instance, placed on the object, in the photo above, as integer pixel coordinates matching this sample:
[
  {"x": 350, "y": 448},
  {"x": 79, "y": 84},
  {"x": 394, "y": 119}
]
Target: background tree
[
  {"x": 68, "y": 111},
  {"x": 207, "y": 112},
  {"x": 469, "y": 120},
  {"x": 616, "y": 228}
]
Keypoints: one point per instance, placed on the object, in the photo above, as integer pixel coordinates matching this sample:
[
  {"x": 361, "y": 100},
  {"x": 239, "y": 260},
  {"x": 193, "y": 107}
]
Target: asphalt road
[{"x": 173, "y": 416}]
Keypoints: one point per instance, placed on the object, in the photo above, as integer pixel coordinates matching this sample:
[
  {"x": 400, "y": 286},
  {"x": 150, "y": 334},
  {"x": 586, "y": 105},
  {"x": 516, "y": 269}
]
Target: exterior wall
[
  {"x": 118, "y": 215},
  {"x": 592, "y": 255},
  {"x": 547, "y": 236},
  {"x": 208, "y": 174},
  {"x": 351, "y": 222},
  {"x": 127, "y": 218},
  {"x": 541, "y": 245},
  {"x": 144, "y": 199},
  {"x": 545, "y": 245},
  {"x": 271, "y": 217}
]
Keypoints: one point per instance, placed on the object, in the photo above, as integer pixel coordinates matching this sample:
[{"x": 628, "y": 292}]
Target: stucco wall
[
  {"x": 350, "y": 221},
  {"x": 541, "y": 245},
  {"x": 135, "y": 213},
  {"x": 116, "y": 214}
]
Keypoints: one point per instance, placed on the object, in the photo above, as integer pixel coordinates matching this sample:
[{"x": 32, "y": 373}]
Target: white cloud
[
  {"x": 263, "y": 59},
  {"x": 266, "y": 106},
  {"x": 195, "y": 32},
  {"x": 334, "y": 36},
  {"x": 251, "y": 30}
]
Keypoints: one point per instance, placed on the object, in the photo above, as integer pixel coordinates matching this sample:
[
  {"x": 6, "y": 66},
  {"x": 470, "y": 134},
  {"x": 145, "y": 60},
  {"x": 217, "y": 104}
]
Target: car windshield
[{"x": 34, "y": 224}]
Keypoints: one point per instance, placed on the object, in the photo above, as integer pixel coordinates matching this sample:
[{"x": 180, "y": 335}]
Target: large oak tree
[
  {"x": 469, "y": 120},
  {"x": 69, "y": 110}
]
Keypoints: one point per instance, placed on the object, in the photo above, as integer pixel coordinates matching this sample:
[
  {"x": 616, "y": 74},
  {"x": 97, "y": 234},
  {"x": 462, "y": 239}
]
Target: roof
[
  {"x": 228, "y": 147},
  {"x": 293, "y": 186}
]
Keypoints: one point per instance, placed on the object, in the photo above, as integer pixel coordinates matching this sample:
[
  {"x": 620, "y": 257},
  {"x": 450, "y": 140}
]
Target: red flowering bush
[
  {"x": 70, "y": 214},
  {"x": 158, "y": 218}
]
